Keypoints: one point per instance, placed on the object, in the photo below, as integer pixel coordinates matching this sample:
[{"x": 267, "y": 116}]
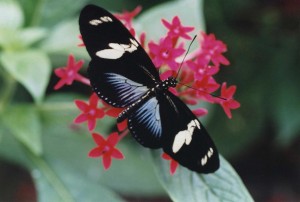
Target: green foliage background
[{"x": 36, "y": 129}]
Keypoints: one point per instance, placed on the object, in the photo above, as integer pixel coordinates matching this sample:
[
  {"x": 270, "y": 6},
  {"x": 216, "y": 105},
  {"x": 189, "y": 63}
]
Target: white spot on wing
[
  {"x": 110, "y": 53},
  {"x": 185, "y": 136},
  {"x": 117, "y": 50},
  {"x": 103, "y": 19},
  {"x": 204, "y": 160}
]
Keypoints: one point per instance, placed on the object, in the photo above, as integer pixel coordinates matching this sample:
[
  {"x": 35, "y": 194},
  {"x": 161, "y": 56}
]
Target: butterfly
[{"x": 123, "y": 75}]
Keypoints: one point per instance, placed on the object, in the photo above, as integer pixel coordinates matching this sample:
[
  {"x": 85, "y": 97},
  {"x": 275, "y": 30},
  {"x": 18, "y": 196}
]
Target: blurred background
[{"x": 261, "y": 141}]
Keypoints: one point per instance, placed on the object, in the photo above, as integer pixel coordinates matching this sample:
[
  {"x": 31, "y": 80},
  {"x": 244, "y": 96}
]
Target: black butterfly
[{"x": 123, "y": 75}]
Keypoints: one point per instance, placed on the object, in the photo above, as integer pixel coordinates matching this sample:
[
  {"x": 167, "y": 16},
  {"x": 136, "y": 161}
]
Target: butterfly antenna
[
  {"x": 185, "y": 56},
  {"x": 201, "y": 91}
]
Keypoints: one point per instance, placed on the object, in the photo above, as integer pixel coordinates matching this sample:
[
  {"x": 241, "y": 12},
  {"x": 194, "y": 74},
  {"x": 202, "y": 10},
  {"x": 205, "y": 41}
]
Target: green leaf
[
  {"x": 11, "y": 15},
  {"x": 32, "y": 35},
  {"x": 30, "y": 68},
  {"x": 135, "y": 164},
  {"x": 24, "y": 124},
  {"x": 63, "y": 172},
  {"x": 189, "y": 12},
  {"x": 61, "y": 42},
  {"x": 185, "y": 185}
]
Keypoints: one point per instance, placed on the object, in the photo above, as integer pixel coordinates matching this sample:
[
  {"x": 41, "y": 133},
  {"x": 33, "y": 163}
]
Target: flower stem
[{"x": 123, "y": 134}]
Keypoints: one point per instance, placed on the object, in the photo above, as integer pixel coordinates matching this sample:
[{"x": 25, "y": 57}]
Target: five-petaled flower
[
  {"x": 228, "y": 103},
  {"x": 70, "y": 73},
  {"x": 176, "y": 29},
  {"x": 165, "y": 53},
  {"x": 173, "y": 163},
  {"x": 213, "y": 49},
  {"x": 106, "y": 149},
  {"x": 90, "y": 112}
]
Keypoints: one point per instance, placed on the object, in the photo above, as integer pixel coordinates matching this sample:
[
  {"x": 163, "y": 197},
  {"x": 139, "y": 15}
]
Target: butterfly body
[{"x": 122, "y": 74}]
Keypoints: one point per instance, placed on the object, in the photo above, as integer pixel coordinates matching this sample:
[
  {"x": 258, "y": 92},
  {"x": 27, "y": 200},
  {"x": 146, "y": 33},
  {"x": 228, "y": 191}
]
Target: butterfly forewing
[{"x": 114, "y": 50}]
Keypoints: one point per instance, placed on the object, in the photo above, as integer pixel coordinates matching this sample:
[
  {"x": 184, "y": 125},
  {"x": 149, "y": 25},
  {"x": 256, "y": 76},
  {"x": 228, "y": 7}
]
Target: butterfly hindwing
[
  {"x": 114, "y": 50},
  {"x": 184, "y": 137},
  {"x": 145, "y": 124}
]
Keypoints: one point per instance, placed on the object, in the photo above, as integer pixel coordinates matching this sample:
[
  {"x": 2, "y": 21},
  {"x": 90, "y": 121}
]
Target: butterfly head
[{"x": 170, "y": 82}]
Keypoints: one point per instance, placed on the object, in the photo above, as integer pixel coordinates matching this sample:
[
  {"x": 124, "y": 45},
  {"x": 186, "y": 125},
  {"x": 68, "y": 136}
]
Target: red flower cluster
[{"x": 196, "y": 76}]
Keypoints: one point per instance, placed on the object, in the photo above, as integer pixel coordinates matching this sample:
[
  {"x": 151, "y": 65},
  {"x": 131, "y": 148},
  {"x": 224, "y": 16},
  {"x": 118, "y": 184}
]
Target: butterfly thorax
[{"x": 158, "y": 87}]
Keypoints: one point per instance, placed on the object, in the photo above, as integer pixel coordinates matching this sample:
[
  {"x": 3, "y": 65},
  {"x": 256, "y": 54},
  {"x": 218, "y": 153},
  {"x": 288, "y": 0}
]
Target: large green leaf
[
  {"x": 30, "y": 68},
  {"x": 24, "y": 124},
  {"x": 189, "y": 12},
  {"x": 185, "y": 185}
]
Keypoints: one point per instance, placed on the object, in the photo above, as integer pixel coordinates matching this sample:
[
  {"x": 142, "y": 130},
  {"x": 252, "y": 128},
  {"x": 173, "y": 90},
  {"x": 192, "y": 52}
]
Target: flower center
[
  {"x": 92, "y": 112},
  {"x": 176, "y": 30},
  {"x": 70, "y": 73},
  {"x": 165, "y": 54},
  {"x": 106, "y": 148}
]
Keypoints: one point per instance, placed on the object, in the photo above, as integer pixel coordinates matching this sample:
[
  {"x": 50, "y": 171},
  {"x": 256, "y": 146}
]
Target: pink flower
[
  {"x": 200, "y": 112},
  {"x": 90, "y": 112},
  {"x": 106, "y": 149},
  {"x": 70, "y": 73},
  {"x": 201, "y": 68},
  {"x": 206, "y": 86},
  {"x": 173, "y": 163},
  {"x": 165, "y": 53},
  {"x": 229, "y": 103},
  {"x": 213, "y": 49},
  {"x": 176, "y": 29},
  {"x": 126, "y": 17}
]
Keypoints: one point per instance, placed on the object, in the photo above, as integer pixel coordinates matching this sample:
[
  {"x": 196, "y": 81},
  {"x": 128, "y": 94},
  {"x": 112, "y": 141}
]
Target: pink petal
[
  {"x": 233, "y": 104},
  {"x": 106, "y": 161},
  {"x": 98, "y": 139},
  {"x": 94, "y": 100},
  {"x": 81, "y": 105},
  {"x": 81, "y": 118},
  {"x": 96, "y": 152},
  {"x": 71, "y": 61},
  {"x": 122, "y": 126},
  {"x": 227, "y": 111},
  {"x": 113, "y": 139},
  {"x": 60, "y": 84},
  {"x": 60, "y": 72},
  {"x": 117, "y": 154},
  {"x": 200, "y": 112},
  {"x": 173, "y": 167},
  {"x": 114, "y": 112},
  {"x": 166, "y": 24},
  {"x": 91, "y": 124},
  {"x": 99, "y": 113},
  {"x": 166, "y": 156}
]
